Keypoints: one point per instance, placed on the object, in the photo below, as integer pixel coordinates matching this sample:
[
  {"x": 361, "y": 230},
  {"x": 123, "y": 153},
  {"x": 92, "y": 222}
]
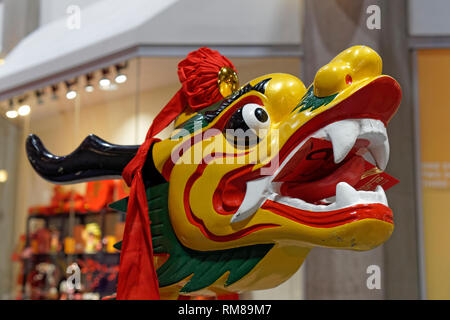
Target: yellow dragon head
[{"x": 244, "y": 188}]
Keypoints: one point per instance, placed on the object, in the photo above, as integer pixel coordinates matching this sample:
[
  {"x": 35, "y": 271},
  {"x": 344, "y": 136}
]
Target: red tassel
[{"x": 137, "y": 275}]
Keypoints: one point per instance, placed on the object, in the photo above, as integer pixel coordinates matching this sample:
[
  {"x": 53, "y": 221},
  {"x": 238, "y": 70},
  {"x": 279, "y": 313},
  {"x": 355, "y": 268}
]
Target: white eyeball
[
  {"x": 255, "y": 117},
  {"x": 248, "y": 125}
]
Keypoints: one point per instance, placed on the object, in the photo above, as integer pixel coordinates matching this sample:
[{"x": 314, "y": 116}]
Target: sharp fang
[
  {"x": 343, "y": 135},
  {"x": 380, "y": 153},
  {"x": 346, "y": 195},
  {"x": 254, "y": 197}
]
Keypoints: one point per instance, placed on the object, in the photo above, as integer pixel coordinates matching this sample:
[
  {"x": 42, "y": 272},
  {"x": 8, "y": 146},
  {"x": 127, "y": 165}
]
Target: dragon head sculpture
[{"x": 243, "y": 189}]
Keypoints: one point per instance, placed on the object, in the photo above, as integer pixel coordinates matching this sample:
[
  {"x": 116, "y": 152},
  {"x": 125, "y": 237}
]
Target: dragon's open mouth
[
  {"x": 324, "y": 165},
  {"x": 322, "y": 173},
  {"x": 330, "y": 169}
]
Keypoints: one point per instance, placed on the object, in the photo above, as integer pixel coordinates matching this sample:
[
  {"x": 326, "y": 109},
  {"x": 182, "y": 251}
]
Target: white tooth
[
  {"x": 381, "y": 195},
  {"x": 369, "y": 158},
  {"x": 380, "y": 153},
  {"x": 343, "y": 135},
  {"x": 346, "y": 195},
  {"x": 254, "y": 197},
  {"x": 373, "y": 130}
]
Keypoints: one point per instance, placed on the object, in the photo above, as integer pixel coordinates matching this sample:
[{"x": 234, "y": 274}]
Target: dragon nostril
[{"x": 348, "y": 79}]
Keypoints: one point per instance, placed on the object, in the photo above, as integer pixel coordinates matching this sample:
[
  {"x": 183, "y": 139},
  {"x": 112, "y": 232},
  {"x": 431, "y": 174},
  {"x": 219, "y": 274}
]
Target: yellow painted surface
[{"x": 434, "y": 86}]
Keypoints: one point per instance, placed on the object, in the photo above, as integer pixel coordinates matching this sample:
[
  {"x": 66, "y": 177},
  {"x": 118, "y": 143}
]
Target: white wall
[
  {"x": 261, "y": 22},
  {"x": 2, "y": 11},
  {"x": 210, "y": 21},
  {"x": 429, "y": 18},
  {"x": 111, "y": 26},
  {"x": 9, "y": 135},
  {"x": 53, "y": 9}
]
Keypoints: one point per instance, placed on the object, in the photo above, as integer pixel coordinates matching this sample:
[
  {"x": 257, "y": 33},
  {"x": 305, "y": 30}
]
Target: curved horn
[{"x": 94, "y": 159}]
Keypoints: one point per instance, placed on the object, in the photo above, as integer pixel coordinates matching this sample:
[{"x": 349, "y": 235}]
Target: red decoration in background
[
  {"x": 99, "y": 194},
  {"x": 198, "y": 74},
  {"x": 95, "y": 271}
]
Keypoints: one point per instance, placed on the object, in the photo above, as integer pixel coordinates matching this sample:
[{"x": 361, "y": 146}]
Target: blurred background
[{"x": 69, "y": 68}]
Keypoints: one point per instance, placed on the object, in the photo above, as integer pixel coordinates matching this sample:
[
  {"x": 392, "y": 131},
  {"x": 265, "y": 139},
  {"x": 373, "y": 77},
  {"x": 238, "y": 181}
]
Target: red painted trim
[
  {"x": 230, "y": 191},
  {"x": 196, "y": 221},
  {"x": 331, "y": 219}
]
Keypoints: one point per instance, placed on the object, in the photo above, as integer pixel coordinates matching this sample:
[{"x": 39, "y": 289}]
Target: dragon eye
[
  {"x": 248, "y": 124},
  {"x": 255, "y": 116}
]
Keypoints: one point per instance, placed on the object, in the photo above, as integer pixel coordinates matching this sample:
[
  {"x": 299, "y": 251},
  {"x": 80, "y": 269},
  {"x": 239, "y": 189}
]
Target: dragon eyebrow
[
  {"x": 210, "y": 115},
  {"x": 206, "y": 116}
]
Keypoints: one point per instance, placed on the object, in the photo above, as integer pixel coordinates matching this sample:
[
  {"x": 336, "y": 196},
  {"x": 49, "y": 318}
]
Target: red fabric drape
[{"x": 198, "y": 76}]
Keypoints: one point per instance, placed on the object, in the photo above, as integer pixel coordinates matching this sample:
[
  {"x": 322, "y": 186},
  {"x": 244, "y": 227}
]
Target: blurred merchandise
[
  {"x": 55, "y": 244},
  {"x": 109, "y": 242},
  {"x": 69, "y": 245},
  {"x": 63, "y": 255},
  {"x": 92, "y": 237},
  {"x": 119, "y": 230},
  {"x": 80, "y": 241}
]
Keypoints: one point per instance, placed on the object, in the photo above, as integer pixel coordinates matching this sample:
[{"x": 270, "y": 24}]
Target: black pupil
[{"x": 261, "y": 115}]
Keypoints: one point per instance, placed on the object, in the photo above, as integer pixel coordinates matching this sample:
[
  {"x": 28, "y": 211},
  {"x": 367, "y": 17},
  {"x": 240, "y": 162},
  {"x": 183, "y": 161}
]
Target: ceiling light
[
  {"x": 11, "y": 114},
  {"x": 24, "y": 110},
  {"x": 121, "y": 78},
  {"x": 3, "y": 176},
  {"x": 104, "y": 82},
  {"x": 71, "y": 94},
  {"x": 89, "y": 87}
]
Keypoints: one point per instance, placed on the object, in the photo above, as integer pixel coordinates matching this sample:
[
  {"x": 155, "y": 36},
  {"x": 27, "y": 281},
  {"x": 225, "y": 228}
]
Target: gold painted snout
[{"x": 350, "y": 66}]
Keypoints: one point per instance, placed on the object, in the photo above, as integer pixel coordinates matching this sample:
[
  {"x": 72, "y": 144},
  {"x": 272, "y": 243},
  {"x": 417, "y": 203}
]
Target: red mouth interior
[{"x": 312, "y": 175}]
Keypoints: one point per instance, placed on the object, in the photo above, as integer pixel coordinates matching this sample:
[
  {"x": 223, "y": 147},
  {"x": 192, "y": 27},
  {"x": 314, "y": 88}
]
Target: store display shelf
[
  {"x": 63, "y": 254},
  {"x": 77, "y": 214}
]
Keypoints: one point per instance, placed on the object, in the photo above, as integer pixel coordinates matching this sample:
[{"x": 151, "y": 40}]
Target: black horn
[{"x": 94, "y": 159}]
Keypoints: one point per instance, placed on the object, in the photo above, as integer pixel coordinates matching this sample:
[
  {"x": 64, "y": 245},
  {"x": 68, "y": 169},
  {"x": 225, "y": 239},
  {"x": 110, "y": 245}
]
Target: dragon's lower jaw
[
  {"x": 346, "y": 196},
  {"x": 324, "y": 186}
]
